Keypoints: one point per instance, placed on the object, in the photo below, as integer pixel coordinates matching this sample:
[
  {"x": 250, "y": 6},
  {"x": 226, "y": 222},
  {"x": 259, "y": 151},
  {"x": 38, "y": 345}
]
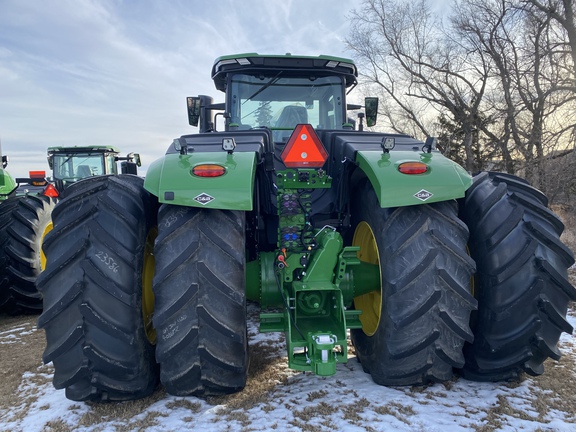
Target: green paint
[
  {"x": 445, "y": 179},
  {"x": 172, "y": 181},
  {"x": 7, "y": 184}
]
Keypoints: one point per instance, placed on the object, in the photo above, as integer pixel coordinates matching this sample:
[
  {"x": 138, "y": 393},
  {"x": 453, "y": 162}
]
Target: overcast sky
[{"x": 117, "y": 72}]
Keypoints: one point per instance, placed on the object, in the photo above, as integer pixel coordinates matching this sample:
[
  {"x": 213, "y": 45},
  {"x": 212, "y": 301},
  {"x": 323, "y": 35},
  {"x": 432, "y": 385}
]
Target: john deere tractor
[
  {"x": 25, "y": 218},
  {"x": 283, "y": 199}
]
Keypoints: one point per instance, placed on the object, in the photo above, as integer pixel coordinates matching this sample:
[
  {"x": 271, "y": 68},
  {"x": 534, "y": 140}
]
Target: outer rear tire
[
  {"x": 92, "y": 288},
  {"x": 521, "y": 285},
  {"x": 200, "y": 300},
  {"x": 22, "y": 252},
  {"x": 422, "y": 312}
]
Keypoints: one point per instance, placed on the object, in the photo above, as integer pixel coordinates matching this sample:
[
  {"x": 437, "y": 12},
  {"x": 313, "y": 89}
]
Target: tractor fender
[
  {"x": 7, "y": 184},
  {"x": 444, "y": 179},
  {"x": 172, "y": 181}
]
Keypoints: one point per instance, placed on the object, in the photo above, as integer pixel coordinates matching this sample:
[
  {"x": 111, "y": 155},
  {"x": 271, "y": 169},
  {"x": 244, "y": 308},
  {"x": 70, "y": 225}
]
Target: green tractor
[
  {"x": 25, "y": 218},
  {"x": 330, "y": 228}
]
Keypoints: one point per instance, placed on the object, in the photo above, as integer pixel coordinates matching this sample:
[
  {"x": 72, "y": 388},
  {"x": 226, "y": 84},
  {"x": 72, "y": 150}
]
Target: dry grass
[
  {"x": 19, "y": 355},
  {"x": 568, "y": 215}
]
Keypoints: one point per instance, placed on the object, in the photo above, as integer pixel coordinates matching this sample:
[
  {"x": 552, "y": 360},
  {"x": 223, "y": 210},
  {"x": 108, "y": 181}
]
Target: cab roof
[
  {"x": 84, "y": 149},
  {"x": 291, "y": 65}
]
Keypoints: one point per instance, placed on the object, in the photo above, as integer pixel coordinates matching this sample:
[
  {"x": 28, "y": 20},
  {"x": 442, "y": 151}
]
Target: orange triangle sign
[{"x": 304, "y": 149}]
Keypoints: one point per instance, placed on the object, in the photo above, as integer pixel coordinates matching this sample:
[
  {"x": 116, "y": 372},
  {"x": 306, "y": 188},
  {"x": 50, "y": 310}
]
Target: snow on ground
[{"x": 348, "y": 401}]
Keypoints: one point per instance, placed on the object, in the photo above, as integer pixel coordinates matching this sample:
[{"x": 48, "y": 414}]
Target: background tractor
[
  {"x": 330, "y": 228},
  {"x": 25, "y": 217}
]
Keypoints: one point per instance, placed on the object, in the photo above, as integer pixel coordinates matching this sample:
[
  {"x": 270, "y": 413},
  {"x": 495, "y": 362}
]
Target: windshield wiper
[{"x": 273, "y": 80}]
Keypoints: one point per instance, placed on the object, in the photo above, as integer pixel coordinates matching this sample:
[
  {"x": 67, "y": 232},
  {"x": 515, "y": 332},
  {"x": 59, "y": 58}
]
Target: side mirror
[
  {"x": 128, "y": 168},
  {"x": 371, "y": 107},
  {"x": 193, "y": 110},
  {"x": 4, "y": 161},
  {"x": 136, "y": 159},
  {"x": 51, "y": 161}
]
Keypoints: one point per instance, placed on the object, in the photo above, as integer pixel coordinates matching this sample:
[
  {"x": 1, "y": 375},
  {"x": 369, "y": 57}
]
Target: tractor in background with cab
[{"x": 25, "y": 217}]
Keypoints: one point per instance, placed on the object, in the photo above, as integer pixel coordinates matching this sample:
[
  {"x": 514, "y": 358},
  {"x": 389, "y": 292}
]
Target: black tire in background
[
  {"x": 414, "y": 329},
  {"x": 6, "y": 208},
  {"x": 21, "y": 256},
  {"x": 93, "y": 288},
  {"x": 200, "y": 300},
  {"x": 521, "y": 282}
]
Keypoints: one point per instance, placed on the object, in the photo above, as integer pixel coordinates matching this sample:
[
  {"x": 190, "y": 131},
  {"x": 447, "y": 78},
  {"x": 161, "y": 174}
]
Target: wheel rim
[
  {"x": 370, "y": 303},
  {"x": 42, "y": 255},
  {"x": 147, "y": 294}
]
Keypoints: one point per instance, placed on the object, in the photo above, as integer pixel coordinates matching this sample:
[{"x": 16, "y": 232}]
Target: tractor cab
[
  {"x": 70, "y": 164},
  {"x": 280, "y": 92}
]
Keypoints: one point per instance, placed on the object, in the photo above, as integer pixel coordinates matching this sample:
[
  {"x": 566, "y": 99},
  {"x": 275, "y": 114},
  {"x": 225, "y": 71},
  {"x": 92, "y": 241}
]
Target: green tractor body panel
[
  {"x": 443, "y": 180},
  {"x": 7, "y": 184},
  {"x": 171, "y": 179}
]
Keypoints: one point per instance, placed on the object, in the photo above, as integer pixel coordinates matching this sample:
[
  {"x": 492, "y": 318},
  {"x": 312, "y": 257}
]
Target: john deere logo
[
  {"x": 423, "y": 195},
  {"x": 203, "y": 198}
]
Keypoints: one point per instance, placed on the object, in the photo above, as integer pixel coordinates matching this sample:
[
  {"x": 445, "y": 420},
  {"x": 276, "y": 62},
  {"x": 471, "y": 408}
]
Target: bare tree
[
  {"x": 419, "y": 69},
  {"x": 493, "y": 78},
  {"x": 523, "y": 48},
  {"x": 561, "y": 12}
]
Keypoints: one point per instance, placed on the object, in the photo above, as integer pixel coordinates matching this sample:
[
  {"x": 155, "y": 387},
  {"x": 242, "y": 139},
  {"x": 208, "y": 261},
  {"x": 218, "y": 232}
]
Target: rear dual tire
[
  {"x": 200, "y": 298},
  {"x": 94, "y": 291},
  {"x": 521, "y": 283},
  {"x": 98, "y": 299}
]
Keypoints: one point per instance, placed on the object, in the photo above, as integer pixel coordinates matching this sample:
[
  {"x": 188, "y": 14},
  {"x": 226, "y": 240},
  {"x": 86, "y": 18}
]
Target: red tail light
[
  {"x": 209, "y": 170},
  {"x": 413, "y": 168}
]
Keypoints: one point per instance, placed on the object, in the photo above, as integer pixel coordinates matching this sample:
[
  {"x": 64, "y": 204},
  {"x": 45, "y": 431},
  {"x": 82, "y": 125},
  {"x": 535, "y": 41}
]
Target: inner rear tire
[
  {"x": 415, "y": 327},
  {"x": 200, "y": 300}
]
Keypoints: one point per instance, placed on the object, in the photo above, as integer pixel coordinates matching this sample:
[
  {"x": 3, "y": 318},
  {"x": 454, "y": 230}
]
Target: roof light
[
  {"x": 208, "y": 170},
  {"x": 225, "y": 62},
  {"x": 228, "y": 144},
  {"x": 413, "y": 168},
  {"x": 304, "y": 149},
  {"x": 243, "y": 61},
  {"x": 51, "y": 191},
  {"x": 388, "y": 143},
  {"x": 332, "y": 63}
]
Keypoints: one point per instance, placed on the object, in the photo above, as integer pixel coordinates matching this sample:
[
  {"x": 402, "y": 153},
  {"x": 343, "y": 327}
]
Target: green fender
[
  {"x": 7, "y": 183},
  {"x": 444, "y": 180},
  {"x": 172, "y": 181}
]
